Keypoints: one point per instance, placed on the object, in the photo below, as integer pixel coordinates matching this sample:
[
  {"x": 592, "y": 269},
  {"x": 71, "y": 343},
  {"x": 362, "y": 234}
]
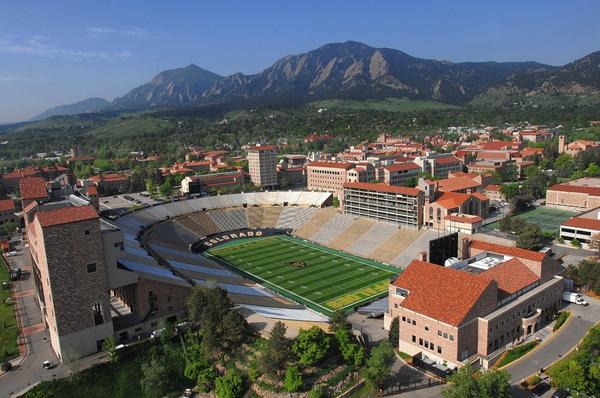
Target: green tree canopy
[
  {"x": 311, "y": 345},
  {"x": 379, "y": 364}
]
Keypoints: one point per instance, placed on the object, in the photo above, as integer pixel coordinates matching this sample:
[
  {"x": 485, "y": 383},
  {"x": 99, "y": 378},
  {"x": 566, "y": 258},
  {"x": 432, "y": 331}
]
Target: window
[
  {"x": 439, "y": 332},
  {"x": 439, "y": 350},
  {"x": 91, "y": 267},
  {"x": 451, "y": 337},
  {"x": 168, "y": 299},
  {"x": 97, "y": 314},
  {"x": 420, "y": 342},
  {"x": 427, "y": 328},
  {"x": 445, "y": 335},
  {"x": 395, "y": 305},
  {"x": 414, "y": 338},
  {"x": 87, "y": 232},
  {"x": 403, "y": 319},
  {"x": 120, "y": 245},
  {"x": 414, "y": 322}
]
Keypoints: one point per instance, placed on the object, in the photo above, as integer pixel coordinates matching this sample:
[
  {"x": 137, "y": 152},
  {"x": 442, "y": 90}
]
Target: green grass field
[
  {"x": 8, "y": 322},
  {"x": 547, "y": 218},
  {"x": 320, "y": 278}
]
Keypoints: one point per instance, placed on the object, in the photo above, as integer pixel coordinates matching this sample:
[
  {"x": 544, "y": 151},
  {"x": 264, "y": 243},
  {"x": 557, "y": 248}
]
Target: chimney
[{"x": 466, "y": 248}]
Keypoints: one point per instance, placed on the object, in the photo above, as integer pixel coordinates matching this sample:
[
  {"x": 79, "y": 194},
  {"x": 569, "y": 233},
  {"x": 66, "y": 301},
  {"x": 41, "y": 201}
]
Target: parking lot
[{"x": 119, "y": 204}]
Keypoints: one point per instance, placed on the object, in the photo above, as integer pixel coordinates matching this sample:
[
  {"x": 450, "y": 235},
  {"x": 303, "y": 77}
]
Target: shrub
[
  {"x": 293, "y": 379},
  {"x": 231, "y": 385},
  {"x": 561, "y": 319},
  {"x": 576, "y": 243},
  {"x": 317, "y": 392},
  {"x": 534, "y": 380},
  {"x": 311, "y": 345}
]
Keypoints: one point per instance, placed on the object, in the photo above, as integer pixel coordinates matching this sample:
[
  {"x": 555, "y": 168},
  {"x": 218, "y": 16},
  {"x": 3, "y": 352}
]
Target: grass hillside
[{"x": 385, "y": 105}]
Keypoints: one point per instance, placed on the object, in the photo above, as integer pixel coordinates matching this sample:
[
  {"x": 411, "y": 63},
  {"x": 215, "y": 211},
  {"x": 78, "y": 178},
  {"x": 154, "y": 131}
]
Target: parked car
[
  {"x": 6, "y": 366},
  {"x": 188, "y": 393},
  {"x": 560, "y": 393},
  {"x": 15, "y": 273},
  {"x": 156, "y": 333},
  {"x": 540, "y": 389},
  {"x": 574, "y": 298},
  {"x": 48, "y": 365}
]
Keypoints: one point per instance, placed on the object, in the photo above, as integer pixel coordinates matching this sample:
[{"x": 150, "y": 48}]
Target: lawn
[
  {"x": 320, "y": 278},
  {"x": 547, "y": 218},
  {"x": 8, "y": 321},
  {"x": 120, "y": 380},
  {"x": 516, "y": 353}
]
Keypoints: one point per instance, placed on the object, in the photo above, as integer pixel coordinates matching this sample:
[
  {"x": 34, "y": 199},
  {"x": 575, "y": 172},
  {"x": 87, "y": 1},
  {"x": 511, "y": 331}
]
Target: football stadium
[
  {"x": 283, "y": 255},
  {"x": 322, "y": 279}
]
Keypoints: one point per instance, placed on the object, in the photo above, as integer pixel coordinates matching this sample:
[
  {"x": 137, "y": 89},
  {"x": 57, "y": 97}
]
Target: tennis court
[{"x": 548, "y": 219}]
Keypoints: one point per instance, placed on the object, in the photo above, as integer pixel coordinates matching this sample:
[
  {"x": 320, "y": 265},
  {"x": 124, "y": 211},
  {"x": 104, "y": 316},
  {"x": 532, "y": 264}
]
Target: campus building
[
  {"x": 400, "y": 205},
  {"x": 438, "y": 166},
  {"x": 327, "y": 175},
  {"x": 577, "y": 195},
  {"x": 399, "y": 173},
  {"x": 582, "y": 227},
  {"x": 469, "y": 311},
  {"x": 262, "y": 165}
]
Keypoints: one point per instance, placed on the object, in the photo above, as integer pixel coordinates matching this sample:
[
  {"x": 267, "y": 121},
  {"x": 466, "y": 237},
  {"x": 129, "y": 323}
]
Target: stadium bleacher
[
  {"x": 333, "y": 228},
  {"x": 316, "y": 222},
  {"x": 352, "y": 233},
  {"x": 373, "y": 238}
]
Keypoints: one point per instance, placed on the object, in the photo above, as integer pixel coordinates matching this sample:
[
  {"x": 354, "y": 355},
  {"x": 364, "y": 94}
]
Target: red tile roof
[
  {"x": 7, "y": 205},
  {"x": 33, "y": 188},
  {"x": 402, "y": 166},
  {"x": 332, "y": 165},
  {"x": 492, "y": 187},
  {"x": 464, "y": 218},
  {"x": 498, "y": 145},
  {"x": 66, "y": 215},
  {"x": 511, "y": 276},
  {"x": 441, "y": 293},
  {"x": 261, "y": 148},
  {"x": 448, "y": 160},
  {"x": 507, "y": 250},
  {"x": 457, "y": 184},
  {"x": 451, "y": 200},
  {"x": 594, "y": 191},
  {"x": 579, "y": 222},
  {"x": 380, "y": 187},
  {"x": 479, "y": 196}
]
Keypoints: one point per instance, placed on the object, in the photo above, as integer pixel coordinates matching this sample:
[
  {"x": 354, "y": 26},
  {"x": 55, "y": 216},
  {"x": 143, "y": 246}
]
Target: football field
[{"x": 320, "y": 278}]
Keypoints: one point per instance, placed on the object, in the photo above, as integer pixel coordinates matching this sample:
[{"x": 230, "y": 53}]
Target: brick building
[
  {"x": 327, "y": 175},
  {"x": 400, "y": 205},
  {"x": 577, "y": 195},
  {"x": 262, "y": 165},
  {"x": 467, "y": 313}
]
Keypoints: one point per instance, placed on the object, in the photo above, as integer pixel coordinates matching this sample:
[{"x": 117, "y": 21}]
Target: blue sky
[{"x": 59, "y": 52}]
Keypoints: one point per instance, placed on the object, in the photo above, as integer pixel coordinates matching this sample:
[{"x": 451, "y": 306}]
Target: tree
[
  {"x": 509, "y": 191},
  {"x": 586, "y": 274},
  {"x": 593, "y": 170},
  {"x": 197, "y": 367},
  {"x": 564, "y": 165},
  {"x": 234, "y": 328},
  {"x": 522, "y": 202},
  {"x": 394, "y": 333},
  {"x": 311, "y": 345},
  {"x": 109, "y": 345},
  {"x": 509, "y": 172},
  {"x": 529, "y": 237},
  {"x": 231, "y": 385},
  {"x": 569, "y": 375},
  {"x": 8, "y": 228},
  {"x": 576, "y": 243},
  {"x": 352, "y": 352},
  {"x": 277, "y": 350},
  {"x": 339, "y": 321},
  {"x": 165, "y": 189},
  {"x": 293, "y": 379},
  {"x": 379, "y": 364},
  {"x": 488, "y": 384},
  {"x": 536, "y": 182},
  {"x": 150, "y": 186}
]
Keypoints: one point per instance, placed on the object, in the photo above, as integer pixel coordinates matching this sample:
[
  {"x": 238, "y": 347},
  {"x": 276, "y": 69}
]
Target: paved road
[{"x": 583, "y": 319}]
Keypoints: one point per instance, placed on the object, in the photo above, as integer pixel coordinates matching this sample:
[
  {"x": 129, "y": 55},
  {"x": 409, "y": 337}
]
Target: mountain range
[{"x": 353, "y": 70}]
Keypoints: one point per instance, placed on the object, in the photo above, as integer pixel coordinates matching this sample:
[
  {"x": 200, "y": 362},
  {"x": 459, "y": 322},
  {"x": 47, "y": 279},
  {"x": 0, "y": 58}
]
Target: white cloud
[
  {"x": 37, "y": 46},
  {"x": 98, "y": 31}
]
